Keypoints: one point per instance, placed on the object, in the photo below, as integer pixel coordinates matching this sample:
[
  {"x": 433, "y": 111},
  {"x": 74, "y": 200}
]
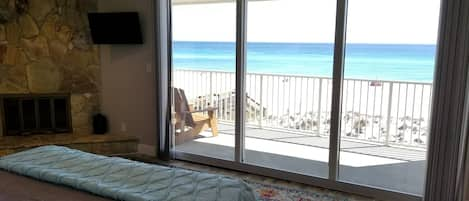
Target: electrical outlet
[{"x": 123, "y": 127}]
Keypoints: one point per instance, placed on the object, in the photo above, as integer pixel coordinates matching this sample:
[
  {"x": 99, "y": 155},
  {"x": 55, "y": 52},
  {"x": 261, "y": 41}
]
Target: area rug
[{"x": 267, "y": 192}]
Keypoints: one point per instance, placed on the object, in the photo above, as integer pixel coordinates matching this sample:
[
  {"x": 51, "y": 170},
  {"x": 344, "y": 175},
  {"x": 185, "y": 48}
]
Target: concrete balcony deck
[{"x": 388, "y": 167}]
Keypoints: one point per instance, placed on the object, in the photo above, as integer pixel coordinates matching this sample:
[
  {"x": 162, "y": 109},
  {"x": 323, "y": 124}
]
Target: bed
[{"x": 118, "y": 178}]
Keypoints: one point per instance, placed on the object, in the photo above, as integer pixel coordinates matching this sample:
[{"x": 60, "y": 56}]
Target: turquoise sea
[{"x": 363, "y": 61}]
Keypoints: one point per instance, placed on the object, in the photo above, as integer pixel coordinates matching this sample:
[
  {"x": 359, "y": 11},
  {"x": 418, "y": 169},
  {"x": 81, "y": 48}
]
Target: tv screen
[{"x": 115, "y": 28}]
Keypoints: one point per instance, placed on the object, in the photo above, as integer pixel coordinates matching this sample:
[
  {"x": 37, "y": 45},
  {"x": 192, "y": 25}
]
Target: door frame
[{"x": 163, "y": 34}]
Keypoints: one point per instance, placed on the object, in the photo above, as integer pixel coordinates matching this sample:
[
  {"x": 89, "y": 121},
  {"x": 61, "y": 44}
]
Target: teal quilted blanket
[{"x": 122, "y": 179}]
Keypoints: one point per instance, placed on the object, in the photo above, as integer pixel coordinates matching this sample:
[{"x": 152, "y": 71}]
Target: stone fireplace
[
  {"x": 45, "y": 48},
  {"x": 47, "y": 61}
]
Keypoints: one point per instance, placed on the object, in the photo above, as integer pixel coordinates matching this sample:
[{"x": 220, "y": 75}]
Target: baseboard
[{"x": 149, "y": 150}]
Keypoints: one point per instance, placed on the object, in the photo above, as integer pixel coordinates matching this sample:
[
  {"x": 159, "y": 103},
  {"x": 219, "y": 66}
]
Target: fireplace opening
[{"x": 28, "y": 114}]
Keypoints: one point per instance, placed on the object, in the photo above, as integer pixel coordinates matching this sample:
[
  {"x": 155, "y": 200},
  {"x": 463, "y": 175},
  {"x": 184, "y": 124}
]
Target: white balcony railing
[{"x": 378, "y": 111}]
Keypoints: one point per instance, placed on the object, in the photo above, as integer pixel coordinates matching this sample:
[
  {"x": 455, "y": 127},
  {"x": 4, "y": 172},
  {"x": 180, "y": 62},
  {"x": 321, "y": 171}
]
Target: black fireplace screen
[{"x": 35, "y": 114}]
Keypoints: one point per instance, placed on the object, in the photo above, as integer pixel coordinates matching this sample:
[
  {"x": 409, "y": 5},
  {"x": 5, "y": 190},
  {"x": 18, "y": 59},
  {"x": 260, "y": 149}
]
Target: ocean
[{"x": 362, "y": 61}]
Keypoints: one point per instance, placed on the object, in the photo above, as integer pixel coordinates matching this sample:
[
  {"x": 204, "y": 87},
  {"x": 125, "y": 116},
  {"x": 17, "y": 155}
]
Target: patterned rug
[
  {"x": 266, "y": 192},
  {"x": 265, "y": 189}
]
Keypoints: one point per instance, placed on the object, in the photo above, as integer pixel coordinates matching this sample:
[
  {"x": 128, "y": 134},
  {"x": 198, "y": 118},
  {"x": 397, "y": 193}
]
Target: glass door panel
[
  {"x": 387, "y": 90},
  {"x": 204, "y": 55},
  {"x": 288, "y": 84}
]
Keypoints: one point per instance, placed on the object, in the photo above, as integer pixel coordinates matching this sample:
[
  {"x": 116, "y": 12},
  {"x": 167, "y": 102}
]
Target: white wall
[{"x": 128, "y": 80}]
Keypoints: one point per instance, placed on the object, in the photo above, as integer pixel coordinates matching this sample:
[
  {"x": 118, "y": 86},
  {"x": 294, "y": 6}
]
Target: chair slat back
[{"x": 181, "y": 106}]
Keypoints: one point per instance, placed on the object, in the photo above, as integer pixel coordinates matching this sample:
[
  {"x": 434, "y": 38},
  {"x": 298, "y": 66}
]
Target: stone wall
[{"x": 45, "y": 47}]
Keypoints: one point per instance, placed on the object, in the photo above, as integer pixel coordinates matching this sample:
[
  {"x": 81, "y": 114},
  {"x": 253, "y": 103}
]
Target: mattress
[{"x": 122, "y": 179}]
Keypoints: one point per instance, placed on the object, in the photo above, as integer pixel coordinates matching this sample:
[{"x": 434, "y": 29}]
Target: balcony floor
[{"x": 394, "y": 168}]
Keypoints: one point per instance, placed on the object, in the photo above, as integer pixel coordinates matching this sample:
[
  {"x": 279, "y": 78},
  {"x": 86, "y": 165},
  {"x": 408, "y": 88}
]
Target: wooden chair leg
[{"x": 213, "y": 124}]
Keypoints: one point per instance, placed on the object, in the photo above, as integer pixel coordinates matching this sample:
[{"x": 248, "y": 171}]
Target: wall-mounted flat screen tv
[{"x": 115, "y": 28}]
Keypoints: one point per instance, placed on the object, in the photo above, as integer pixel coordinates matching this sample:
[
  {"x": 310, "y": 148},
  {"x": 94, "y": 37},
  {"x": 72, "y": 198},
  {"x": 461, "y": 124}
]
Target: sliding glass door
[
  {"x": 290, "y": 50},
  {"x": 204, "y": 88},
  {"x": 331, "y": 93},
  {"x": 387, "y": 93}
]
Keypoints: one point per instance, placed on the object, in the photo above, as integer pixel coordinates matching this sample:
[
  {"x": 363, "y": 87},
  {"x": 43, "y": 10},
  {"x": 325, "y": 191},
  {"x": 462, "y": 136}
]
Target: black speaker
[{"x": 100, "y": 124}]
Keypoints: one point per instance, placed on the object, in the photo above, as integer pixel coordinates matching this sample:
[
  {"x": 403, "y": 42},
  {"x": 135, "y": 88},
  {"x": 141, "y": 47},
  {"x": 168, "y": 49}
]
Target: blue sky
[{"x": 312, "y": 21}]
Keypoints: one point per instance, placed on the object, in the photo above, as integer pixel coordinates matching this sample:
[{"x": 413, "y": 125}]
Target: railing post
[
  {"x": 210, "y": 88},
  {"x": 388, "y": 119},
  {"x": 319, "y": 106},
  {"x": 261, "y": 105}
]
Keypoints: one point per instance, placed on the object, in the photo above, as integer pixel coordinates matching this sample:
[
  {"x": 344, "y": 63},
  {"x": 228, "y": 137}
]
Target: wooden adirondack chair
[{"x": 188, "y": 122}]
